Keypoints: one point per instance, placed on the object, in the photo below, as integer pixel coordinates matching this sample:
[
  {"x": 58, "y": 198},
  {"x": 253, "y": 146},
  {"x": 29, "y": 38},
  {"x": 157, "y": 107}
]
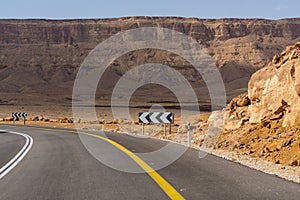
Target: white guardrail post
[
  {"x": 103, "y": 123},
  {"x": 189, "y": 133}
]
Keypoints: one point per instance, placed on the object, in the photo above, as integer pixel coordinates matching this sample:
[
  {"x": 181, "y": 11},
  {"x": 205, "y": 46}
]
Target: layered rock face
[
  {"x": 40, "y": 58},
  {"x": 265, "y": 122},
  {"x": 274, "y": 90},
  {"x": 273, "y": 93}
]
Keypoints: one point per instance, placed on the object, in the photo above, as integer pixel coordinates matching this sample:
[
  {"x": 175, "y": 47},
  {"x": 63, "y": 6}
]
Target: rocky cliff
[
  {"x": 274, "y": 91},
  {"x": 39, "y": 59},
  {"x": 265, "y": 122}
]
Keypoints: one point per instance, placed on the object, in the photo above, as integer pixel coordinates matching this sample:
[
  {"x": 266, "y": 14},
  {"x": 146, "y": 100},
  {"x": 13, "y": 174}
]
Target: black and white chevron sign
[
  {"x": 156, "y": 117},
  {"x": 19, "y": 115}
]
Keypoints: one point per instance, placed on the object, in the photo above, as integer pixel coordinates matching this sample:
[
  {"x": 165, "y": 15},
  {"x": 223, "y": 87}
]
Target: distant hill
[{"x": 39, "y": 59}]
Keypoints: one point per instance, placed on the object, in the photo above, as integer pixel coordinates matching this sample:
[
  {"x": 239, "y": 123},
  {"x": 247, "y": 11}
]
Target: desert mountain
[{"x": 39, "y": 59}]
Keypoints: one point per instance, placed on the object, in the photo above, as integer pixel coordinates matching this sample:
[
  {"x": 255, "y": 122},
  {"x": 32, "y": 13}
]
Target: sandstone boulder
[
  {"x": 62, "y": 120},
  {"x": 40, "y": 118},
  {"x": 237, "y": 112},
  {"x": 8, "y": 119}
]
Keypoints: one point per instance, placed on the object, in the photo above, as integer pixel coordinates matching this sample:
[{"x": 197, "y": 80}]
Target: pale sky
[{"x": 70, "y": 9}]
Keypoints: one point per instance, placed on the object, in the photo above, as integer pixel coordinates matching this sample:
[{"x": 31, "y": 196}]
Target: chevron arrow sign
[
  {"x": 156, "y": 117},
  {"x": 19, "y": 115}
]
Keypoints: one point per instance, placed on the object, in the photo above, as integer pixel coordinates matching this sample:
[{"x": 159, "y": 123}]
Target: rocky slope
[
  {"x": 39, "y": 59},
  {"x": 265, "y": 122}
]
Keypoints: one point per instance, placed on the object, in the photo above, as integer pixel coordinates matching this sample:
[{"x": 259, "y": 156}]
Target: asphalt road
[
  {"x": 10, "y": 145},
  {"x": 58, "y": 166}
]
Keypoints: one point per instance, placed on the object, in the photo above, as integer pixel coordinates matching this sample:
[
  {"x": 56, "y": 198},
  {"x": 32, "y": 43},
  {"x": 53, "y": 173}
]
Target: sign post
[
  {"x": 143, "y": 133},
  {"x": 18, "y": 115},
  {"x": 24, "y": 115},
  {"x": 13, "y": 116},
  {"x": 156, "y": 118}
]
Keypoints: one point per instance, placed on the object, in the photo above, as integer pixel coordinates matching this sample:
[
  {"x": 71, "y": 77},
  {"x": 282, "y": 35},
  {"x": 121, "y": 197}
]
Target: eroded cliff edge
[{"x": 40, "y": 58}]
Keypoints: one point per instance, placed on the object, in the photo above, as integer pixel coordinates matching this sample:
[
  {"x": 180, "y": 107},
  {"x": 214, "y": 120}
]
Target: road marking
[
  {"x": 19, "y": 156},
  {"x": 162, "y": 183}
]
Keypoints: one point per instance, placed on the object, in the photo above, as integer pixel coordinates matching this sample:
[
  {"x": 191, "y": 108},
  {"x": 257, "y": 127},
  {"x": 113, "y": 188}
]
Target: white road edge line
[{"x": 19, "y": 156}]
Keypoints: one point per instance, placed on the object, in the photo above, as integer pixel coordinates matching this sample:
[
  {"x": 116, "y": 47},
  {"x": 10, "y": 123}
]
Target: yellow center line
[{"x": 162, "y": 183}]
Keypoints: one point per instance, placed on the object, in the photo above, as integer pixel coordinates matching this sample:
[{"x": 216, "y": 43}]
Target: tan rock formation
[
  {"x": 265, "y": 122},
  {"x": 273, "y": 93},
  {"x": 274, "y": 90}
]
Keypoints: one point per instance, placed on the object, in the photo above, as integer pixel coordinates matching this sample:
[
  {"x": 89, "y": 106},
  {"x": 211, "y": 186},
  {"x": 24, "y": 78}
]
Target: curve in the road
[
  {"x": 19, "y": 156},
  {"x": 59, "y": 166},
  {"x": 162, "y": 183}
]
